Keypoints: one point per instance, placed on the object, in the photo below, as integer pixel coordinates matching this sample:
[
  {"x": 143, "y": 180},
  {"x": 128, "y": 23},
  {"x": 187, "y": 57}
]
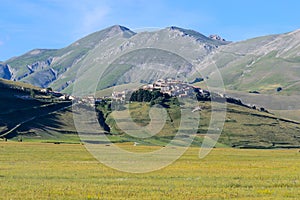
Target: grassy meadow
[{"x": 67, "y": 171}]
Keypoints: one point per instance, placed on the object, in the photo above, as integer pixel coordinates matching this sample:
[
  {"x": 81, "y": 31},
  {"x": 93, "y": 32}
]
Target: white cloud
[{"x": 1, "y": 43}]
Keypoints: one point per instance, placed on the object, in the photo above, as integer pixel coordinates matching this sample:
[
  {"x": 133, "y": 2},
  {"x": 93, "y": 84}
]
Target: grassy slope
[
  {"x": 54, "y": 127},
  {"x": 262, "y": 64},
  {"x": 282, "y": 105},
  {"x": 8, "y": 83},
  {"x": 243, "y": 127},
  {"x": 39, "y": 119},
  {"x": 48, "y": 171}
]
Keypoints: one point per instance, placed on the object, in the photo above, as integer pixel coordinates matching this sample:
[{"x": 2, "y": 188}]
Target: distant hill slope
[{"x": 269, "y": 64}]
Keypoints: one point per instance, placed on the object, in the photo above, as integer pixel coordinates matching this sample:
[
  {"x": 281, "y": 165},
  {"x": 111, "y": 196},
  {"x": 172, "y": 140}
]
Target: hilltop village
[
  {"x": 180, "y": 89},
  {"x": 166, "y": 87},
  {"x": 171, "y": 87}
]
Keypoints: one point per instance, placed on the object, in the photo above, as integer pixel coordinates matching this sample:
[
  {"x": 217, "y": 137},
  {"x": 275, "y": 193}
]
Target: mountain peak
[
  {"x": 188, "y": 32},
  {"x": 185, "y": 31},
  {"x": 92, "y": 39},
  {"x": 119, "y": 29},
  {"x": 198, "y": 36}
]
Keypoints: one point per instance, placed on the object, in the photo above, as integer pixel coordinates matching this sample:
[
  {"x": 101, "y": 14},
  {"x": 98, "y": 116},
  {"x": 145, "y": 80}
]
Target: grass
[
  {"x": 285, "y": 106},
  {"x": 9, "y": 83},
  {"x": 49, "y": 171},
  {"x": 291, "y": 114},
  {"x": 243, "y": 127}
]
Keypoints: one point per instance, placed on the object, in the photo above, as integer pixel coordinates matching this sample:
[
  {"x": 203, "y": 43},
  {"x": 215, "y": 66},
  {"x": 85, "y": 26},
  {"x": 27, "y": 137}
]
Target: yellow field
[{"x": 64, "y": 171}]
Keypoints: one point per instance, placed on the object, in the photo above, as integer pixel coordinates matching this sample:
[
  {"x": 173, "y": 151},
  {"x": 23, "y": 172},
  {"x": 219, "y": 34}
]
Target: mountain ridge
[
  {"x": 255, "y": 64},
  {"x": 47, "y": 67}
]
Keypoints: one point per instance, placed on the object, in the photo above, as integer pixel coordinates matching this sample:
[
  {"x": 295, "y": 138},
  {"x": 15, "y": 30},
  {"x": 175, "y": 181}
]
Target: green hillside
[{"x": 243, "y": 128}]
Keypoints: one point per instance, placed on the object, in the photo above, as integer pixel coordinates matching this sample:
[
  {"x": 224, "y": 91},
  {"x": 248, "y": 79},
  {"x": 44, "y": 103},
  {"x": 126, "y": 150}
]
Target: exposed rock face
[
  {"x": 42, "y": 78},
  {"x": 5, "y": 72},
  {"x": 217, "y": 37},
  {"x": 39, "y": 65}
]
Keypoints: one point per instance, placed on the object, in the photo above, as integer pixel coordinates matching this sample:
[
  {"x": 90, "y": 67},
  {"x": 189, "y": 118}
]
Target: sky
[{"x": 30, "y": 24}]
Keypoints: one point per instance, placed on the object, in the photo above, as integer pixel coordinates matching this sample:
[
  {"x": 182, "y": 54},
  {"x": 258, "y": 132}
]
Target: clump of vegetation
[
  {"x": 154, "y": 96},
  {"x": 254, "y": 92},
  {"x": 279, "y": 89}
]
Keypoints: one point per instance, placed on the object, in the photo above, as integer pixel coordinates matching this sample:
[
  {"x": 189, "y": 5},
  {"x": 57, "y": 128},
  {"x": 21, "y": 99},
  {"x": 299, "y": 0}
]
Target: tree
[
  {"x": 159, "y": 100},
  {"x": 152, "y": 103}
]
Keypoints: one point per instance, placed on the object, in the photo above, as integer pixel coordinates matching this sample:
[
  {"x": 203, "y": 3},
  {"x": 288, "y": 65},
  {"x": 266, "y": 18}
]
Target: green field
[{"x": 68, "y": 171}]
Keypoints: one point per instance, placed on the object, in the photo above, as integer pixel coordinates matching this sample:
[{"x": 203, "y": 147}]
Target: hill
[
  {"x": 45, "y": 118},
  {"x": 262, "y": 71},
  {"x": 243, "y": 127},
  {"x": 27, "y": 113}
]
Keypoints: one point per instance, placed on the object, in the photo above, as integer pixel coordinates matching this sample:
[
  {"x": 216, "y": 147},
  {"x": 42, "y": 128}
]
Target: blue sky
[{"x": 29, "y": 24}]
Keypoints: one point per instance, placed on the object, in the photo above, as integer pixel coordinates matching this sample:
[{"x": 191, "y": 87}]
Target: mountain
[
  {"x": 267, "y": 65},
  {"x": 262, "y": 64},
  {"x": 42, "y": 67},
  {"x": 57, "y": 68},
  {"x": 263, "y": 71}
]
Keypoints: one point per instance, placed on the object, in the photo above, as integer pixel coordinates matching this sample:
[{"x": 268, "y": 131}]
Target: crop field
[{"x": 32, "y": 170}]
